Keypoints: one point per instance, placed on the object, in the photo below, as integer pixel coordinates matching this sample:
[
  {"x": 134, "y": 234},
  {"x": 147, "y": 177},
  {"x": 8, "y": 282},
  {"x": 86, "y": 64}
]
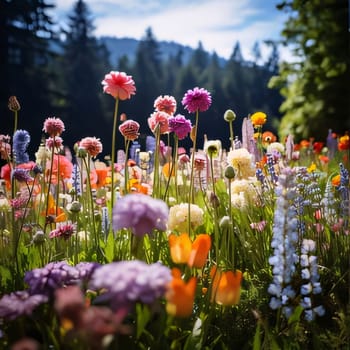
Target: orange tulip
[
  {"x": 336, "y": 180},
  {"x": 200, "y": 250},
  {"x": 180, "y": 295},
  {"x": 180, "y": 248},
  {"x": 226, "y": 286}
]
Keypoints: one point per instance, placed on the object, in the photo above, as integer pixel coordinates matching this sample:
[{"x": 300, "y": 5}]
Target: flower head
[
  {"x": 53, "y": 126},
  {"x": 258, "y": 119},
  {"x": 130, "y": 129},
  {"x": 165, "y": 104},
  {"x": 229, "y": 115},
  {"x": 180, "y": 295},
  {"x": 13, "y": 104},
  {"x": 54, "y": 142},
  {"x": 180, "y": 126},
  {"x": 159, "y": 119},
  {"x": 119, "y": 85},
  {"x": 92, "y": 145},
  {"x": 21, "y": 175},
  {"x": 21, "y": 139},
  {"x": 127, "y": 282},
  {"x": 242, "y": 162},
  {"x": 5, "y": 147},
  {"x": 178, "y": 217},
  {"x": 64, "y": 231},
  {"x": 140, "y": 213},
  {"x": 197, "y": 99}
]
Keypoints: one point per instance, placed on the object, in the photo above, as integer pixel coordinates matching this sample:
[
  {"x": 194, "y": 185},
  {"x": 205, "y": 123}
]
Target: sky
[{"x": 217, "y": 24}]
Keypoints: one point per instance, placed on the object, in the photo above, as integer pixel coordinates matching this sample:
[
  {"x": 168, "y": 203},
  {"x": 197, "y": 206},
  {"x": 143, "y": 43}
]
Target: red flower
[{"x": 119, "y": 85}]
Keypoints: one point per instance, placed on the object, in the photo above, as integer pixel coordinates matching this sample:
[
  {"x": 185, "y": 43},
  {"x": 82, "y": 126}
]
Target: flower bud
[
  {"x": 75, "y": 207},
  {"x": 225, "y": 222},
  {"x": 39, "y": 237},
  {"x": 230, "y": 172},
  {"x": 230, "y": 115},
  {"x": 13, "y": 104}
]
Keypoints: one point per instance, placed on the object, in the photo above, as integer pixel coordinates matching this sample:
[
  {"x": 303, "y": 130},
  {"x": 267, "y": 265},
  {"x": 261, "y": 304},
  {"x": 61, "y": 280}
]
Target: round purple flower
[
  {"x": 126, "y": 282},
  {"x": 19, "y": 303},
  {"x": 52, "y": 276},
  {"x": 140, "y": 213},
  {"x": 198, "y": 99},
  {"x": 86, "y": 269},
  {"x": 21, "y": 175},
  {"x": 180, "y": 126}
]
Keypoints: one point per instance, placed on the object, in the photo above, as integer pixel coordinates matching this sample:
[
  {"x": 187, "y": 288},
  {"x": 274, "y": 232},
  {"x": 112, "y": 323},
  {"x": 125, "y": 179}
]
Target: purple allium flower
[
  {"x": 21, "y": 175},
  {"x": 52, "y": 276},
  {"x": 19, "y": 303},
  {"x": 126, "y": 282},
  {"x": 180, "y": 126},
  {"x": 21, "y": 139},
  {"x": 64, "y": 231},
  {"x": 197, "y": 99},
  {"x": 140, "y": 213}
]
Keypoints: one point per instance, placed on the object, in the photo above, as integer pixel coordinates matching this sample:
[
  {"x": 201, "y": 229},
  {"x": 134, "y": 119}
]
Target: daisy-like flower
[
  {"x": 140, "y": 213},
  {"x": 180, "y": 126},
  {"x": 64, "y": 231},
  {"x": 53, "y": 126},
  {"x": 119, "y": 85},
  {"x": 258, "y": 119},
  {"x": 161, "y": 119},
  {"x": 165, "y": 104},
  {"x": 198, "y": 99},
  {"x": 130, "y": 129},
  {"x": 92, "y": 145}
]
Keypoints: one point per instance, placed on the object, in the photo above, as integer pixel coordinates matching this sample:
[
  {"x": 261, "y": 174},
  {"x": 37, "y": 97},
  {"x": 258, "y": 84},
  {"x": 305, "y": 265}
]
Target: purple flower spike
[
  {"x": 140, "y": 213},
  {"x": 126, "y": 282},
  {"x": 197, "y": 99}
]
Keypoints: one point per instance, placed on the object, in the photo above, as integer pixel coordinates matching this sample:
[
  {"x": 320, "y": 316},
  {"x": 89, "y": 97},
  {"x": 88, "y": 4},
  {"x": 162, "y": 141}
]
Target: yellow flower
[
  {"x": 311, "y": 168},
  {"x": 258, "y": 119}
]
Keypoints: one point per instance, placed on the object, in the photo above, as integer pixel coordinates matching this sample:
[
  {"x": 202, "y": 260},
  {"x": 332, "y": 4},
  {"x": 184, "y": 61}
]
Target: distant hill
[{"x": 119, "y": 47}]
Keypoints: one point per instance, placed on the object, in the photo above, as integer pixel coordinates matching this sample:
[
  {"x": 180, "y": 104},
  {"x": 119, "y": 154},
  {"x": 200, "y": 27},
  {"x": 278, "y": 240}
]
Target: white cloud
[{"x": 218, "y": 24}]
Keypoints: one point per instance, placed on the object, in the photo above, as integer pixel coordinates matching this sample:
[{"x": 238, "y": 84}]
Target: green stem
[
  {"x": 114, "y": 132},
  {"x": 231, "y": 135},
  {"x": 49, "y": 185},
  {"x": 156, "y": 164},
  {"x": 126, "y": 168},
  {"x": 16, "y": 121},
  {"x": 190, "y": 197}
]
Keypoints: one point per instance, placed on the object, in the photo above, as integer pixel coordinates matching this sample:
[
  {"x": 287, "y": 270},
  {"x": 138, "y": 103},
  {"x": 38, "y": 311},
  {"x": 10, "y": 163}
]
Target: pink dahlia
[
  {"x": 119, "y": 85},
  {"x": 53, "y": 126},
  {"x": 130, "y": 129},
  {"x": 161, "y": 119},
  {"x": 165, "y": 104},
  {"x": 92, "y": 145},
  {"x": 197, "y": 99},
  {"x": 180, "y": 126}
]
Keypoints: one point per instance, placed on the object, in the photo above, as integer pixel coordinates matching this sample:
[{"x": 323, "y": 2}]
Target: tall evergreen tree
[
  {"x": 25, "y": 34},
  {"x": 84, "y": 64},
  {"x": 316, "y": 84}
]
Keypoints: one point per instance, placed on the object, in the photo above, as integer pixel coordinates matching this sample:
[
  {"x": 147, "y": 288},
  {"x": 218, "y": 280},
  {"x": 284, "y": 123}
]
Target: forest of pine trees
[{"x": 59, "y": 72}]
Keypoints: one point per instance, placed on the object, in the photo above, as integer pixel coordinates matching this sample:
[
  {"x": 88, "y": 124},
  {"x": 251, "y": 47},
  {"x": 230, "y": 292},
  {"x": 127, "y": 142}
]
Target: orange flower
[
  {"x": 200, "y": 250},
  {"x": 180, "y": 295},
  {"x": 226, "y": 286},
  {"x": 61, "y": 166},
  {"x": 258, "y": 119},
  {"x": 180, "y": 248},
  {"x": 323, "y": 159},
  {"x": 195, "y": 254},
  {"x": 102, "y": 174},
  {"x": 304, "y": 144},
  {"x": 167, "y": 167},
  {"x": 336, "y": 180},
  {"x": 268, "y": 137},
  {"x": 344, "y": 143}
]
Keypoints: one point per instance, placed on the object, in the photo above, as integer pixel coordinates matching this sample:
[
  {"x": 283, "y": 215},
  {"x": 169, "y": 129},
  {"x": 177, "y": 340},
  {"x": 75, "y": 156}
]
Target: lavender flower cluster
[{"x": 126, "y": 282}]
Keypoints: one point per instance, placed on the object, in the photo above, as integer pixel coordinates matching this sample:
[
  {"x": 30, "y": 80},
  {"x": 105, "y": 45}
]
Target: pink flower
[
  {"x": 161, "y": 119},
  {"x": 165, "y": 104},
  {"x": 54, "y": 142},
  {"x": 53, "y": 126},
  {"x": 197, "y": 99},
  {"x": 92, "y": 145},
  {"x": 119, "y": 85},
  {"x": 180, "y": 126},
  {"x": 63, "y": 231},
  {"x": 130, "y": 129}
]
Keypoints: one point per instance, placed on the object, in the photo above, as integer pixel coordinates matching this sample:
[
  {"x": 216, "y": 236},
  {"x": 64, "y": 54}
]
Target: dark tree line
[{"x": 58, "y": 72}]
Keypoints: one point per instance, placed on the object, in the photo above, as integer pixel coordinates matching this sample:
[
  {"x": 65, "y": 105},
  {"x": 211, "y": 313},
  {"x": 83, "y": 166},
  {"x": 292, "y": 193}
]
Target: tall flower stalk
[
  {"x": 121, "y": 86},
  {"x": 195, "y": 101}
]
